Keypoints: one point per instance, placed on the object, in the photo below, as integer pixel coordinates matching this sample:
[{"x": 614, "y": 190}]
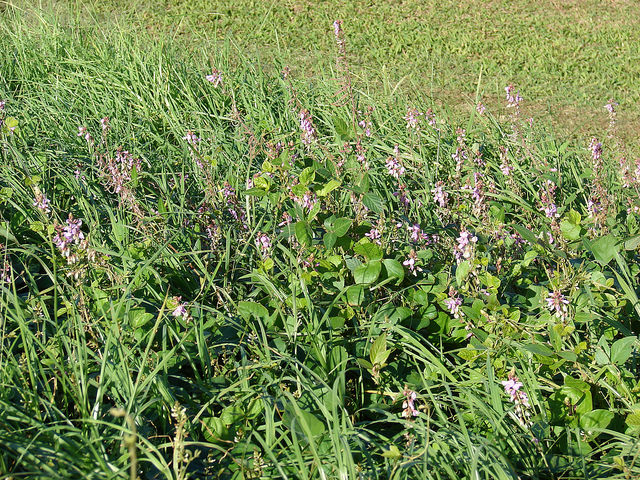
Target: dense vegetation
[{"x": 209, "y": 271}]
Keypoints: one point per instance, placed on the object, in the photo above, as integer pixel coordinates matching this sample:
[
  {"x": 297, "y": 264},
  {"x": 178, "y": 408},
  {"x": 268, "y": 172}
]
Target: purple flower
[
  {"x": 557, "y": 302},
  {"x": 104, "y": 123},
  {"x": 82, "y": 132},
  {"x": 408, "y": 405},
  {"x": 611, "y": 106},
  {"x": 375, "y": 235},
  {"x": 453, "y": 304},
  {"x": 512, "y": 387},
  {"x": 306, "y": 125},
  {"x": 439, "y": 195},
  {"x": 191, "y": 138},
  {"x": 410, "y": 263},
  {"x": 215, "y": 78},
  {"x": 263, "y": 242},
  {"x": 41, "y": 202},
  {"x": 464, "y": 249},
  {"x": 412, "y": 118},
  {"x": 394, "y": 167},
  {"x": 596, "y": 149},
  {"x": 513, "y": 100},
  {"x": 480, "y": 108}
]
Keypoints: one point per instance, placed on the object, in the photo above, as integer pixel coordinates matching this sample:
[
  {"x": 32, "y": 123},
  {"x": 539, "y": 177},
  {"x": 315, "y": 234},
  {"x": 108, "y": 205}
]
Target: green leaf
[
  {"x": 603, "y": 249},
  {"x": 379, "y": 353},
  {"x": 214, "y": 430},
  {"x": 329, "y": 240},
  {"x": 367, "y": 273},
  {"x": 355, "y": 295},
  {"x": 138, "y": 317},
  {"x": 342, "y": 128},
  {"x": 246, "y": 309},
  {"x": 596, "y": 419},
  {"x": 307, "y": 176},
  {"x": 328, "y": 187},
  {"x": 527, "y": 234},
  {"x": 632, "y": 243},
  {"x": 538, "y": 349},
  {"x": 341, "y": 226},
  {"x": 368, "y": 249},
  {"x": 394, "y": 269},
  {"x": 303, "y": 233},
  {"x": 570, "y": 226},
  {"x": 462, "y": 272},
  {"x": 393, "y": 453},
  {"x": 373, "y": 202},
  {"x": 621, "y": 350}
]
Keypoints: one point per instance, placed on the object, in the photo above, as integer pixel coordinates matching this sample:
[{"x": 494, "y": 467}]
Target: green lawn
[{"x": 567, "y": 57}]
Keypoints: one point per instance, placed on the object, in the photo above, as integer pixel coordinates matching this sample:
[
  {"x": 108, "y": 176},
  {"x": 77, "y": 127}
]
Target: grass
[
  {"x": 568, "y": 58},
  {"x": 186, "y": 330}
]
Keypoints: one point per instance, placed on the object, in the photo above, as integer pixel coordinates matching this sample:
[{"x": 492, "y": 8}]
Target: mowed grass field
[{"x": 567, "y": 57}]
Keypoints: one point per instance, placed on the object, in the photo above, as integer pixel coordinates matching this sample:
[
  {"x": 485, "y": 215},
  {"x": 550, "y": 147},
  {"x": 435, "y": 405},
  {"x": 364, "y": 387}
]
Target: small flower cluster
[
  {"x": 179, "y": 309},
  {"x": 69, "y": 236},
  {"x": 410, "y": 263},
  {"x": 439, "y": 195},
  {"x": 513, "y": 97},
  {"x": 547, "y": 197},
  {"x": 413, "y": 118},
  {"x": 512, "y": 387},
  {"x": 465, "y": 246},
  {"x": 233, "y": 204},
  {"x": 306, "y": 125},
  {"x": 375, "y": 235},
  {"x": 394, "y": 167},
  {"x": 505, "y": 167},
  {"x": 408, "y": 405},
  {"x": 215, "y": 78},
  {"x": 263, "y": 242},
  {"x": 5, "y": 272},
  {"x": 453, "y": 303},
  {"x": 41, "y": 202},
  {"x": 83, "y": 132},
  {"x": 557, "y": 303}
]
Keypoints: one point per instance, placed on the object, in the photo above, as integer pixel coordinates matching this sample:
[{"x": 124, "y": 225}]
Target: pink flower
[
  {"x": 41, "y": 202},
  {"x": 410, "y": 263},
  {"x": 83, "y": 132},
  {"x": 409, "y": 407},
  {"x": 557, "y": 302},
  {"x": 375, "y": 236},
  {"x": 439, "y": 195},
  {"x": 306, "y": 125},
  {"x": 480, "y": 108},
  {"x": 263, "y": 242},
  {"x": 215, "y": 78},
  {"x": 453, "y": 304},
  {"x": 413, "y": 118}
]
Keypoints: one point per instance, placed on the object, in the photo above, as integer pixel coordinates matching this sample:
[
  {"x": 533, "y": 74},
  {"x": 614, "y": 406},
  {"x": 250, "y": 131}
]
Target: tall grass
[{"x": 174, "y": 346}]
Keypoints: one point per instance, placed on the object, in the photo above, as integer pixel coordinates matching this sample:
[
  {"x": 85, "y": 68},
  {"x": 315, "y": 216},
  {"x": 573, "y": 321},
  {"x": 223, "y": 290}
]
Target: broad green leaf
[
  {"x": 462, "y": 272},
  {"x": 307, "y": 176},
  {"x": 329, "y": 240},
  {"x": 368, "y": 249},
  {"x": 355, "y": 295},
  {"x": 596, "y": 419},
  {"x": 341, "y": 226},
  {"x": 538, "y": 349},
  {"x": 621, "y": 350},
  {"x": 373, "y": 202},
  {"x": 368, "y": 272},
  {"x": 379, "y": 353},
  {"x": 303, "y": 233},
  {"x": 603, "y": 249},
  {"x": 246, "y": 309},
  {"x": 328, "y": 187},
  {"x": 393, "y": 453},
  {"x": 394, "y": 269}
]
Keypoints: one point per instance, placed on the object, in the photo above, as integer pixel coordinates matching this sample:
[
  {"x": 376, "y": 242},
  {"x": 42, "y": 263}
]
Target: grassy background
[{"x": 567, "y": 57}]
